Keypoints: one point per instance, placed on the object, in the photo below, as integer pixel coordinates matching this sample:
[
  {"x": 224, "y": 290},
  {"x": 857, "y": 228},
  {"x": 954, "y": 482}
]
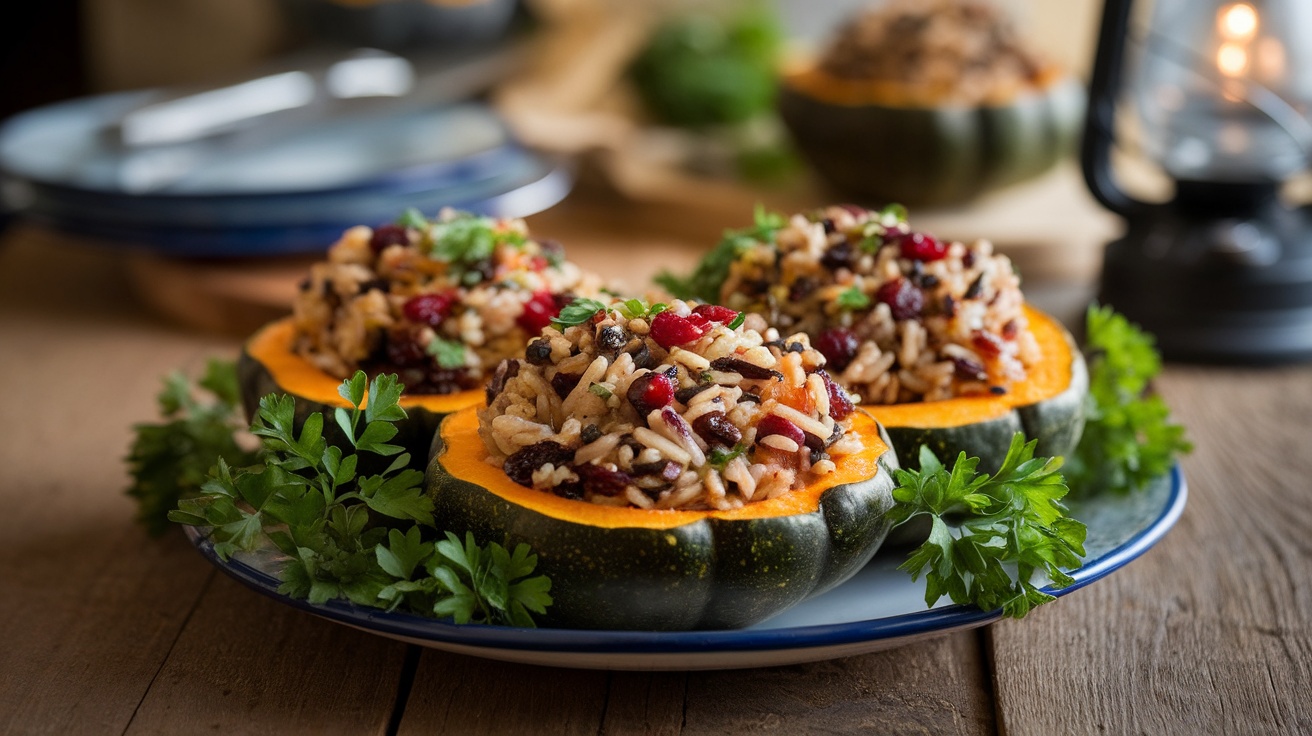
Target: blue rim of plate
[{"x": 643, "y": 642}]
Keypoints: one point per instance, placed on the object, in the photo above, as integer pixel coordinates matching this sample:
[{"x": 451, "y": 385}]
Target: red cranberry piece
[
  {"x": 403, "y": 350},
  {"x": 649, "y": 392},
  {"x": 902, "y": 297},
  {"x": 987, "y": 344},
  {"x": 669, "y": 329},
  {"x": 921, "y": 247},
  {"x": 538, "y": 311},
  {"x": 715, "y": 313},
  {"x": 838, "y": 345},
  {"x": 840, "y": 404},
  {"x": 775, "y": 424},
  {"x": 429, "y": 309},
  {"x": 386, "y": 235}
]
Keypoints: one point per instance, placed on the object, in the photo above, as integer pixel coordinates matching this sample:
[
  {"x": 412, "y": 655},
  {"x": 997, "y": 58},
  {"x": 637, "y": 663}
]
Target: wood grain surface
[{"x": 107, "y": 631}]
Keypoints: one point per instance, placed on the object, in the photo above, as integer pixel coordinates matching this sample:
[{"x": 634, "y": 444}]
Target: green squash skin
[
  {"x": 1056, "y": 422},
  {"x": 933, "y": 156},
  {"x": 708, "y": 574},
  {"x": 414, "y": 433}
]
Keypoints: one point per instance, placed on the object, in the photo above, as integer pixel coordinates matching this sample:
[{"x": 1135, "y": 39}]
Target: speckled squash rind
[{"x": 627, "y": 568}]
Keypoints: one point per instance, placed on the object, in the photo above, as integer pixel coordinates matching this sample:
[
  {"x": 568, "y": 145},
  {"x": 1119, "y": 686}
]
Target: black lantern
[{"x": 1222, "y": 93}]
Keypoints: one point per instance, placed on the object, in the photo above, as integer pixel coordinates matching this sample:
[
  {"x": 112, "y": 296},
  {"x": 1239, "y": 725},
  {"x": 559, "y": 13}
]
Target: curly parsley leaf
[
  {"x": 638, "y": 309},
  {"x": 1128, "y": 437},
  {"x": 354, "y": 536},
  {"x": 1011, "y": 526},
  {"x": 450, "y": 354},
  {"x": 171, "y": 460},
  {"x": 710, "y": 274},
  {"x": 577, "y": 312}
]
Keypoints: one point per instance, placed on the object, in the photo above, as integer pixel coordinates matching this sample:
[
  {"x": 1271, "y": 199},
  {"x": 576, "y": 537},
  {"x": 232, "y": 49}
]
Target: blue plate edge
[{"x": 646, "y": 642}]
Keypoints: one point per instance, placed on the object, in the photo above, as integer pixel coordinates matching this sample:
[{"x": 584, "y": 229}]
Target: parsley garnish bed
[
  {"x": 1012, "y": 525},
  {"x": 170, "y": 460},
  {"x": 358, "y": 537},
  {"x": 1128, "y": 437},
  {"x": 706, "y": 279}
]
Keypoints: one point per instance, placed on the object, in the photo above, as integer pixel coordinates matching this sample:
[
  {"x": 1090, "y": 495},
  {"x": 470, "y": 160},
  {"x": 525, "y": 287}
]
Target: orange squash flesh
[
  {"x": 1050, "y": 377},
  {"x": 465, "y": 457},
  {"x": 272, "y": 347}
]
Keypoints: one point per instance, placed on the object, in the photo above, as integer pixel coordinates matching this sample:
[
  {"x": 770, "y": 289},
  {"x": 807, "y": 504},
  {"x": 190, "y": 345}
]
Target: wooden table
[{"x": 104, "y": 630}]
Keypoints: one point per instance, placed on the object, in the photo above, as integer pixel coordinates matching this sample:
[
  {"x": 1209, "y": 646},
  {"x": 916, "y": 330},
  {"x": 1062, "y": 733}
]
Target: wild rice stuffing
[
  {"x": 936, "y": 52},
  {"x": 665, "y": 407},
  {"x": 899, "y": 315},
  {"x": 438, "y": 302}
]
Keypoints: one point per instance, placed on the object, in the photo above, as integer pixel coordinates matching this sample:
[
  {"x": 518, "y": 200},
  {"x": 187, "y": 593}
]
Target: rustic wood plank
[
  {"x": 248, "y": 664},
  {"x": 649, "y": 703},
  {"x": 455, "y": 694},
  {"x": 91, "y": 605},
  {"x": 933, "y": 687},
  {"x": 1211, "y": 632}
]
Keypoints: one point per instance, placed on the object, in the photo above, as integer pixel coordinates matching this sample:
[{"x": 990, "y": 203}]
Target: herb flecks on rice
[
  {"x": 439, "y": 302},
  {"x": 900, "y": 315},
  {"x": 665, "y": 407}
]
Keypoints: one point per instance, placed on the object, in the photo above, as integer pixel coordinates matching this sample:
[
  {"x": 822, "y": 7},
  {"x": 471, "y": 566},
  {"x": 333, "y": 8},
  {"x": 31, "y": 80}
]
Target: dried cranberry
[
  {"x": 538, "y": 311},
  {"x": 520, "y": 465},
  {"x": 387, "y": 235},
  {"x": 716, "y": 429},
  {"x": 666, "y": 469},
  {"x": 430, "y": 309},
  {"x": 669, "y": 329},
  {"x": 404, "y": 350},
  {"x": 902, "y": 297},
  {"x": 506, "y": 370},
  {"x": 840, "y": 404},
  {"x": 563, "y": 383},
  {"x": 715, "y": 313},
  {"x": 750, "y": 371},
  {"x": 803, "y": 287},
  {"x": 1010, "y": 330},
  {"x": 921, "y": 247},
  {"x": 839, "y": 255},
  {"x": 839, "y": 346},
  {"x": 649, "y": 392},
  {"x": 775, "y": 424},
  {"x": 987, "y": 343},
  {"x": 538, "y": 352},
  {"x": 969, "y": 370},
  {"x": 602, "y": 481}
]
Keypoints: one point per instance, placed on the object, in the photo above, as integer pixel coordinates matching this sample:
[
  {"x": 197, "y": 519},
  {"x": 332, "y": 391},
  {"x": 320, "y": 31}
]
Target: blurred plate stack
[{"x": 189, "y": 176}]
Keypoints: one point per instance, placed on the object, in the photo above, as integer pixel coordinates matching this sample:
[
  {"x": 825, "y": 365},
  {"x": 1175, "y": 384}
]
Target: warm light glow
[
  {"x": 1237, "y": 22},
  {"x": 1232, "y": 59}
]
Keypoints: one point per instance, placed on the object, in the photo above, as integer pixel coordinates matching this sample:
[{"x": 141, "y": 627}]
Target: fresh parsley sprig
[
  {"x": 1128, "y": 437},
  {"x": 710, "y": 274},
  {"x": 1008, "y": 527},
  {"x": 352, "y": 536},
  {"x": 170, "y": 460},
  {"x": 852, "y": 298}
]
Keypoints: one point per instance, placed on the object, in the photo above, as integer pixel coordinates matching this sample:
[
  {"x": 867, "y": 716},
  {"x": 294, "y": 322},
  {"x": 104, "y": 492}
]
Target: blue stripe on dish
[{"x": 644, "y": 642}]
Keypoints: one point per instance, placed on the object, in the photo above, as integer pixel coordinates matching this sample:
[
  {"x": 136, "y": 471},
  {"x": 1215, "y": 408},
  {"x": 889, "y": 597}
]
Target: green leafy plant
[
  {"x": 706, "y": 279},
  {"x": 1128, "y": 437},
  {"x": 702, "y": 69},
  {"x": 852, "y": 298},
  {"x": 450, "y": 354},
  {"x": 170, "y": 460},
  {"x": 577, "y": 312},
  {"x": 990, "y": 534},
  {"x": 358, "y": 537}
]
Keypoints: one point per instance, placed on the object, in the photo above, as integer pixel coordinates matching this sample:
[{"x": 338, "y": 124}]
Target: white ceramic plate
[{"x": 879, "y": 608}]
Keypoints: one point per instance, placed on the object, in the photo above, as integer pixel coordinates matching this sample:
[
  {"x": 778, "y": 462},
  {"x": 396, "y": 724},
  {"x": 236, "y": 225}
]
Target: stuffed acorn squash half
[
  {"x": 438, "y": 302},
  {"x": 670, "y": 468}
]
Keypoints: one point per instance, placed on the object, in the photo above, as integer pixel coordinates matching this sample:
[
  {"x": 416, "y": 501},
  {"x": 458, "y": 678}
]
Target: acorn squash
[
  {"x": 269, "y": 365},
  {"x": 1049, "y": 406},
  {"x": 628, "y": 568},
  {"x": 874, "y": 147}
]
